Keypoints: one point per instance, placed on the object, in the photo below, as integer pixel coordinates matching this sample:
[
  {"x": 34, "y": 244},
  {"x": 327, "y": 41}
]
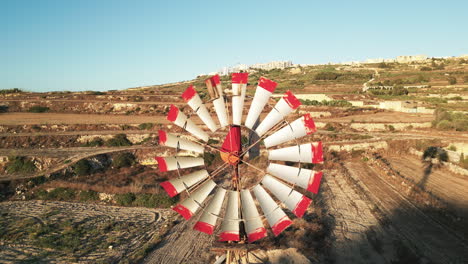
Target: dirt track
[
  {"x": 60, "y": 118},
  {"x": 428, "y": 238},
  {"x": 183, "y": 245},
  {"x": 360, "y": 238},
  {"x": 136, "y": 227},
  {"x": 446, "y": 185}
]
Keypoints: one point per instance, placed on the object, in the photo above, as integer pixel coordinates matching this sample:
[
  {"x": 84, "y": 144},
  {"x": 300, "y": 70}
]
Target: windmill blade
[
  {"x": 174, "y": 163},
  {"x": 180, "y": 119},
  {"x": 276, "y": 217},
  {"x": 253, "y": 222},
  {"x": 294, "y": 201},
  {"x": 304, "y": 178},
  {"x": 285, "y": 105},
  {"x": 308, "y": 153},
  {"x": 190, "y": 206},
  {"x": 216, "y": 93},
  {"x": 192, "y": 98},
  {"x": 262, "y": 94},
  {"x": 207, "y": 221},
  {"x": 176, "y": 186},
  {"x": 173, "y": 141},
  {"x": 230, "y": 225},
  {"x": 239, "y": 87},
  {"x": 296, "y": 129}
]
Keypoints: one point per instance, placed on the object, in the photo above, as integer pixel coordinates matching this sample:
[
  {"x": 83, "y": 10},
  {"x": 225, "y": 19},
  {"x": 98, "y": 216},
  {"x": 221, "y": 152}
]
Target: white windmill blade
[
  {"x": 176, "y": 186},
  {"x": 239, "y": 88},
  {"x": 216, "y": 92},
  {"x": 308, "y": 153},
  {"x": 180, "y": 119},
  {"x": 188, "y": 207},
  {"x": 173, "y": 141},
  {"x": 294, "y": 201},
  {"x": 174, "y": 163},
  {"x": 253, "y": 222},
  {"x": 207, "y": 221},
  {"x": 192, "y": 98},
  {"x": 304, "y": 178},
  {"x": 285, "y": 105},
  {"x": 276, "y": 217},
  {"x": 230, "y": 225},
  {"x": 262, "y": 94},
  {"x": 296, "y": 129}
]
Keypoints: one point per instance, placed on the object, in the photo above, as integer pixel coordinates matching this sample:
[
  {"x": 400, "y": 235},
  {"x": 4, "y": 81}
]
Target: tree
[
  {"x": 452, "y": 80},
  {"x": 430, "y": 154},
  {"x": 123, "y": 160},
  {"x": 82, "y": 167}
]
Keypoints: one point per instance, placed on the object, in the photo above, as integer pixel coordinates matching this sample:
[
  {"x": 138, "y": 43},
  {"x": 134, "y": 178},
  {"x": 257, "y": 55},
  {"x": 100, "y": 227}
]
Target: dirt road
[
  {"x": 183, "y": 245},
  {"x": 359, "y": 237},
  {"x": 430, "y": 239},
  {"x": 448, "y": 186}
]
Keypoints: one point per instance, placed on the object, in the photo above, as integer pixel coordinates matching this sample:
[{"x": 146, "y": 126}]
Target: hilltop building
[{"x": 406, "y": 59}]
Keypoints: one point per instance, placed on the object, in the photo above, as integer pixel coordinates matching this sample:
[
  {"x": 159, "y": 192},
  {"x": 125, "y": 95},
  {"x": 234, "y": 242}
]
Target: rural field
[{"x": 79, "y": 182}]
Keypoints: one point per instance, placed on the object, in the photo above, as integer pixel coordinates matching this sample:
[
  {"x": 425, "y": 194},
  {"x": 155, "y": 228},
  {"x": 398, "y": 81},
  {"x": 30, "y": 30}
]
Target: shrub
[
  {"x": 38, "y": 109},
  {"x": 12, "y": 90},
  {"x": 329, "y": 127},
  {"x": 463, "y": 161},
  {"x": 20, "y": 165},
  {"x": 383, "y": 65},
  {"x": 391, "y": 128},
  {"x": 145, "y": 126},
  {"x": 123, "y": 160},
  {"x": 159, "y": 200},
  {"x": 90, "y": 195},
  {"x": 62, "y": 194},
  {"x": 452, "y": 80},
  {"x": 326, "y": 76},
  {"x": 445, "y": 125},
  {"x": 125, "y": 199},
  {"x": 82, "y": 167},
  {"x": 425, "y": 68},
  {"x": 119, "y": 140},
  {"x": 399, "y": 90},
  {"x": 96, "y": 142},
  {"x": 452, "y": 148}
]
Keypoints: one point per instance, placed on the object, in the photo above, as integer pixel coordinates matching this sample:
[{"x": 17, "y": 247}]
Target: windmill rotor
[{"x": 240, "y": 196}]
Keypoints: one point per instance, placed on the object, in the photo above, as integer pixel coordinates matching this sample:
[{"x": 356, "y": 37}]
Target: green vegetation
[
  {"x": 159, "y": 200},
  {"x": 12, "y": 90},
  {"x": 452, "y": 80},
  {"x": 425, "y": 68},
  {"x": 327, "y": 76},
  {"x": 3, "y": 108},
  {"x": 86, "y": 196},
  {"x": 452, "y": 148},
  {"x": 57, "y": 194},
  {"x": 119, "y": 140},
  {"x": 82, "y": 167},
  {"x": 396, "y": 91},
  {"x": 463, "y": 161},
  {"x": 123, "y": 160},
  {"x": 38, "y": 109},
  {"x": 96, "y": 142},
  {"x": 20, "y": 165},
  {"x": 445, "y": 120},
  {"x": 335, "y": 103},
  {"x": 145, "y": 126}
]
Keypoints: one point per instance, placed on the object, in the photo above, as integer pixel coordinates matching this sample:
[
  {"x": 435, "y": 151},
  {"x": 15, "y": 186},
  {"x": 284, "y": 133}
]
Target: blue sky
[{"x": 51, "y": 45}]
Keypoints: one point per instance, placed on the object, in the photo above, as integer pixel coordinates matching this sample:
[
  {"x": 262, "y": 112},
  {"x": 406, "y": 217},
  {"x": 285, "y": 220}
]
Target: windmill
[{"x": 241, "y": 194}]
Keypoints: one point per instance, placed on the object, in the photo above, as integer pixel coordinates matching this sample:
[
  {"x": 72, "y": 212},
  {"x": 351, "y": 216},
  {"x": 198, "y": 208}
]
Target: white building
[{"x": 411, "y": 58}]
